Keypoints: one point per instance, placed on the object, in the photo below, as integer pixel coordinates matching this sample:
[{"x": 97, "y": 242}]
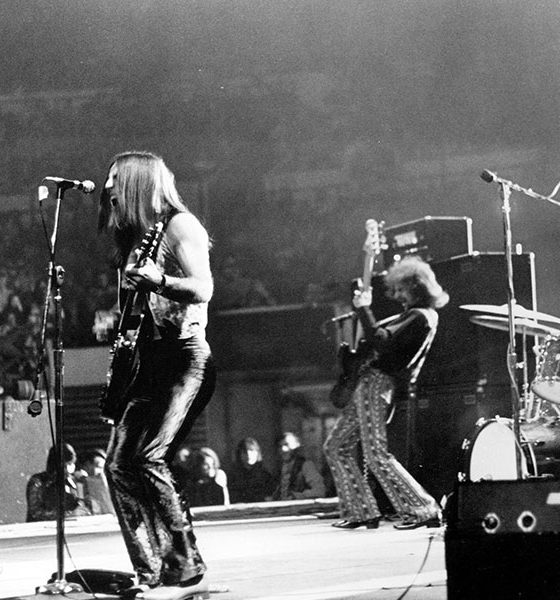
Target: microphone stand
[
  {"x": 505, "y": 193},
  {"x": 56, "y": 277}
]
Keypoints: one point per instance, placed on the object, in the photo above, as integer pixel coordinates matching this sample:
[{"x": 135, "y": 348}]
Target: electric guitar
[
  {"x": 352, "y": 356},
  {"x": 123, "y": 366}
]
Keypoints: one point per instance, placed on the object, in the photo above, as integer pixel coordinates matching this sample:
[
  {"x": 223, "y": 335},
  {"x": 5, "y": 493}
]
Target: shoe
[
  {"x": 372, "y": 523},
  {"x": 344, "y": 524},
  {"x": 369, "y": 524},
  {"x": 415, "y": 523},
  {"x": 183, "y": 591}
]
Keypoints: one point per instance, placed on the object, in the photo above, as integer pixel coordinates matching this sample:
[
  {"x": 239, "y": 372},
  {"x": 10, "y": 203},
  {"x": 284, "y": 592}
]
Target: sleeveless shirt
[{"x": 178, "y": 319}]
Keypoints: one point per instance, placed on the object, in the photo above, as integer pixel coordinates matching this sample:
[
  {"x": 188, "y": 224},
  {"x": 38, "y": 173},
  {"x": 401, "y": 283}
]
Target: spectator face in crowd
[
  {"x": 288, "y": 444},
  {"x": 69, "y": 457},
  {"x": 70, "y": 467},
  {"x": 205, "y": 463},
  {"x": 249, "y": 452}
]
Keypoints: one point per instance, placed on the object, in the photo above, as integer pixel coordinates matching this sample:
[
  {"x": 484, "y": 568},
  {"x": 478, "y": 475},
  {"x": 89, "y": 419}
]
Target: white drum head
[{"x": 493, "y": 454}]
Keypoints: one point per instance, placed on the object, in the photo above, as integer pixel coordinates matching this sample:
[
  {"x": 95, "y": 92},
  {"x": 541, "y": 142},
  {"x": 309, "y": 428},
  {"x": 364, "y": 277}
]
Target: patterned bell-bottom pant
[
  {"x": 363, "y": 420},
  {"x": 174, "y": 384}
]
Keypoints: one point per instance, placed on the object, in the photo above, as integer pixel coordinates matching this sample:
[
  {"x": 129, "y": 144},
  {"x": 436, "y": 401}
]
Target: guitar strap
[
  {"x": 416, "y": 362},
  {"x": 419, "y": 358}
]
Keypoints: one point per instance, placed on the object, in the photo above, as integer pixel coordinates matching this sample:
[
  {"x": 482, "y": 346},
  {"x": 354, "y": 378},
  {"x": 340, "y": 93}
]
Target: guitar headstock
[
  {"x": 375, "y": 241},
  {"x": 149, "y": 242}
]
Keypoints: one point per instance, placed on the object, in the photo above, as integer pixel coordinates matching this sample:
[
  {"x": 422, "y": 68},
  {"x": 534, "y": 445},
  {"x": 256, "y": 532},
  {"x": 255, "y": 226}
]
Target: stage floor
[{"x": 284, "y": 558}]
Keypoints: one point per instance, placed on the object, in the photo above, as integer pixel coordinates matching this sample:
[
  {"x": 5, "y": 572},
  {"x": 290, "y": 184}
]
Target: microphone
[
  {"x": 343, "y": 317},
  {"x": 490, "y": 177},
  {"x": 85, "y": 186},
  {"x": 35, "y": 406},
  {"x": 42, "y": 193}
]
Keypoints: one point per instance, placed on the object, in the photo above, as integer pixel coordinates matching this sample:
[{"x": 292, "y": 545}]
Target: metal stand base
[{"x": 59, "y": 587}]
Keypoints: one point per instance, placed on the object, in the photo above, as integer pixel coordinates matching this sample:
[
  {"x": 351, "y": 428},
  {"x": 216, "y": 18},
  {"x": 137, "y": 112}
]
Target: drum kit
[{"x": 491, "y": 452}]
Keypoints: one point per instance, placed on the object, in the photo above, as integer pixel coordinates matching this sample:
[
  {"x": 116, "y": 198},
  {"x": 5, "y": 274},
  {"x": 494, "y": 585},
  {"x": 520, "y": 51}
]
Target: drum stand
[
  {"x": 530, "y": 407},
  {"x": 56, "y": 278}
]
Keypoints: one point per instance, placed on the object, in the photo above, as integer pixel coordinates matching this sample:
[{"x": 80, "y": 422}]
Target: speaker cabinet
[
  {"x": 462, "y": 351},
  {"x": 503, "y": 540},
  {"x": 432, "y": 238}
]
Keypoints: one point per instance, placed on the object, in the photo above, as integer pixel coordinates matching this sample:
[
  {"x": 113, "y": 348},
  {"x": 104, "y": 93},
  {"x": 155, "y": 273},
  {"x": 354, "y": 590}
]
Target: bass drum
[{"x": 489, "y": 453}]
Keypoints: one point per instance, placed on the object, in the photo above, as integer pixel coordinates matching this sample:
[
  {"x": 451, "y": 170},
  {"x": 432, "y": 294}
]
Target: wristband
[{"x": 161, "y": 287}]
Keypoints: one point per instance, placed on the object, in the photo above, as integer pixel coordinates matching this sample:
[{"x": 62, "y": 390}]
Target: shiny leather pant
[
  {"x": 175, "y": 382},
  {"x": 363, "y": 420}
]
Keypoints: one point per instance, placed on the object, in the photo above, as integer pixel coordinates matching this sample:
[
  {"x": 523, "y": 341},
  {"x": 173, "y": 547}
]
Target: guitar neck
[{"x": 369, "y": 261}]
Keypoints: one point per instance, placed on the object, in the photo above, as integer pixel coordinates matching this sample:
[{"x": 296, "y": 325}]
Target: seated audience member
[
  {"x": 249, "y": 481},
  {"x": 299, "y": 477},
  {"x": 91, "y": 474},
  {"x": 207, "y": 483},
  {"x": 41, "y": 493}
]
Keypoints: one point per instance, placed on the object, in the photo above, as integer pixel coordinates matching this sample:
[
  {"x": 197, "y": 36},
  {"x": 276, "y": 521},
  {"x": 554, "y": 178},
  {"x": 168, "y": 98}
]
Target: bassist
[
  {"x": 174, "y": 378},
  {"x": 395, "y": 352}
]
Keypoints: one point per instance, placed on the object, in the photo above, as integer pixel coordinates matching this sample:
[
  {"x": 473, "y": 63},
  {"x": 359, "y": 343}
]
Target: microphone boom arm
[{"x": 490, "y": 177}]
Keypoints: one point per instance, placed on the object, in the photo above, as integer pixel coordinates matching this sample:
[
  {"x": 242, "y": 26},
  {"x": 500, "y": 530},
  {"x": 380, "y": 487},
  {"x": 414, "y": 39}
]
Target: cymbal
[
  {"x": 521, "y": 325},
  {"x": 518, "y": 312}
]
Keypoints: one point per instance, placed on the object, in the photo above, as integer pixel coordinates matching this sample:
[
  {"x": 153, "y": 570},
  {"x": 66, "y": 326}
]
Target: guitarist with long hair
[
  {"x": 389, "y": 358},
  {"x": 166, "y": 377}
]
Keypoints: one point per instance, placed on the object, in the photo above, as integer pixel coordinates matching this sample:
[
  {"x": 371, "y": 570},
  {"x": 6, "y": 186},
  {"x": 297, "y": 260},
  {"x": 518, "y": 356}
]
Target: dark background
[{"x": 289, "y": 123}]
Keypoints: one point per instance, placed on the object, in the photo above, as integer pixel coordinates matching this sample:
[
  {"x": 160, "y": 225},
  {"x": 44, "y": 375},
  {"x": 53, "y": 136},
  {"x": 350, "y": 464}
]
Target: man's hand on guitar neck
[
  {"x": 361, "y": 298},
  {"x": 146, "y": 277}
]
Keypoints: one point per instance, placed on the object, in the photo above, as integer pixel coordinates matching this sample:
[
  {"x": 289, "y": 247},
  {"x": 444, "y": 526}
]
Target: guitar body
[
  {"x": 124, "y": 360},
  {"x": 120, "y": 377},
  {"x": 350, "y": 361}
]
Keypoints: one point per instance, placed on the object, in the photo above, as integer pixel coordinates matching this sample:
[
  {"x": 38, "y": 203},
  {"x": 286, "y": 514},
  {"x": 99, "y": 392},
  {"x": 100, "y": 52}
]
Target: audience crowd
[{"x": 197, "y": 472}]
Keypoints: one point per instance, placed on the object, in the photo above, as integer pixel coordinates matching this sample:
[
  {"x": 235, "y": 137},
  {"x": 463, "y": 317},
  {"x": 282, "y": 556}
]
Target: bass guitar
[
  {"x": 352, "y": 356},
  {"x": 123, "y": 366}
]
